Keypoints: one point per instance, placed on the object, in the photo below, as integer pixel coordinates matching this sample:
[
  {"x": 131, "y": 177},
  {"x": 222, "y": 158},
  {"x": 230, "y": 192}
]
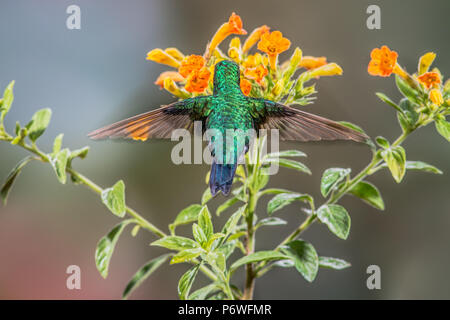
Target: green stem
[
  {"x": 97, "y": 189},
  {"x": 376, "y": 160}
]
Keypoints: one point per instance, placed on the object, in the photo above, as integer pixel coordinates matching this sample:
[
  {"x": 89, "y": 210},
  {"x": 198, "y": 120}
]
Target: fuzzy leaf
[
  {"x": 443, "y": 127},
  {"x": 395, "y": 159},
  {"x": 419, "y": 165},
  {"x": 205, "y": 223},
  {"x": 271, "y": 221},
  {"x": 7, "y": 185},
  {"x": 331, "y": 179},
  {"x": 333, "y": 263},
  {"x": 305, "y": 258},
  {"x": 186, "y": 281},
  {"x": 175, "y": 243},
  {"x": 59, "y": 164},
  {"x": 187, "y": 215},
  {"x": 336, "y": 218},
  {"x": 258, "y": 256},
  {"x": 8, "y": 98},
  {"x": 186, "y": 255},
  {"x": 368, "y": 193},
  {"x": 283, "y": 199},
  {"x": 286, "y": 154},
  {"x": 40, "y": 121},
  {"x": 143, "y": 273},
  {"x": 114, "y": 199},
  {"x": 106, "y": 245},
  {"x": 291, "y": 164}
]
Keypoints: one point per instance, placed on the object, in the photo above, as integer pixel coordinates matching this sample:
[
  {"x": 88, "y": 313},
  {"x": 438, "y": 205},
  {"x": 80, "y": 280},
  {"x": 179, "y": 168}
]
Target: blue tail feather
[{"x": 221, "y": 178}]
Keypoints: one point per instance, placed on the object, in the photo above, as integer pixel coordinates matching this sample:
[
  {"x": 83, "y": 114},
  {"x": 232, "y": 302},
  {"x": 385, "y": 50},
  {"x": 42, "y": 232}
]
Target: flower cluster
[
  {"x": 262, "y": 75},
  {"x": 426, "y": 98}
]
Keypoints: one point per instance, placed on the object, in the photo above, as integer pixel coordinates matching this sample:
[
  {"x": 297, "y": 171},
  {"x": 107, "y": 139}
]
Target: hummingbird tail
[{"x": 221, "y": 177}]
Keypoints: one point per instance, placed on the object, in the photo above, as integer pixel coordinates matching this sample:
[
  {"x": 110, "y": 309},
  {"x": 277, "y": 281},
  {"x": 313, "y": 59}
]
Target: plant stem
[
  {"x": 335, "y": 197},
  {"x": 97, "y": 189}
]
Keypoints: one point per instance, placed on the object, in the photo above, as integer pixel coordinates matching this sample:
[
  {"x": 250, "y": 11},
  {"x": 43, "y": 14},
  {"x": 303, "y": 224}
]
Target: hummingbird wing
[
  {"x": 294, "y": 124},
  {"x": 157, "y": 123}
]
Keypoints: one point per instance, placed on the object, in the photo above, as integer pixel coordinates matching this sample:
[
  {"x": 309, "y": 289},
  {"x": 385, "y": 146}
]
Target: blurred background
[{"x": 97, "y": 75}]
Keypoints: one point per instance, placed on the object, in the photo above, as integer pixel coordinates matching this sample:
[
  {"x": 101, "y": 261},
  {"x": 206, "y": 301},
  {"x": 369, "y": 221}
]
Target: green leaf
[
  {"x": 286, "y": 154},
  {"x": 59, "y": 164},
  {"x": 143, "y": 273},
  {"x": 283, "y": 199},
  {"x": 261, "y": 181},
  {"x": 6, "y": 187},
  {"x": 352, "y": 126},
  {"x": 40, "y": 121},
  {"x": 79, "y": 153},
  {"x": 202, "y": 293},
  {"x": 305, "y": 258},
  {"x": 106, "y": 245},
  {"x": 204, "y": 222},
  {"x": 331, "y": 178},
  {"x": 187, "y": 215},
  {"x": 274, "y": 191},
  {"x": 186, "y": 255},
  {"x": 206, "y": 196},
  {"x": 258, "y": 256},
  {"x": 419, "y": 165},
  {"x": 114, "y": 199},
  {"x": 409, "y": 111},
  {"x": 57, "y": 143},
  {"x": 216, "y": 259},
  {"x": 239, "y": 193},
  {"x": 333, "y": 263},
  {"x": 8, "y": 98},
  {"x": 443, "y": 127},
  {"x": 186, "y": 281},
  {"x": 388, "y": 101},
  {"x": 291, "y": 164},
  {"x": 213, "y": 238},
  {"x": 368, "y": 193},
  {"x": 224, "y": 206},
  {"x": 382, "y": 142},
  {"x": 232, "y": 222},
  {"x": 395, "y": 159},
  {"x": 176, "y": 243},
  {"x": 406, "y": 90},
  {"x": 336, "y": 218},
  {"x": 271, "y": 221},
  {"x": 199, "y": 235}
]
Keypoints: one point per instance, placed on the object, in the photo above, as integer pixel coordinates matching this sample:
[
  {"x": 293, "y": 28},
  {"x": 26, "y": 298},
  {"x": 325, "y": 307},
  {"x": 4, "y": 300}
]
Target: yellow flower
[
  {"x": 190, "y": 64},
  {"x": 273, "y": 44},
  {"x": 175, "y": 76},
  {"x": 258, "y": 73},
  {"x": 246, "y": 86},
  {"x": 430, "y": 79},
  {"x": 254, "y": 37},
  {"x": 171, "y": 86},
  {"x": 436, "y": 97},
  {"x": 253, "y": 60},
  {"x": 233, "y": 26},
  {"x": 197, "y": 80},
  {"x": 309, "y": 62},
  {"x": 175, "y": 53},
  {"x": 330, "y": 69},
  {"x": 234, "y": 52},
  {"x": 425, "y": 62},
  {"x": 158, "y": 55}
]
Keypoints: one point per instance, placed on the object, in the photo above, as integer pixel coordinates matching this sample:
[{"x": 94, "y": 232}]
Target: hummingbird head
[{"x": 226, "y": 77}]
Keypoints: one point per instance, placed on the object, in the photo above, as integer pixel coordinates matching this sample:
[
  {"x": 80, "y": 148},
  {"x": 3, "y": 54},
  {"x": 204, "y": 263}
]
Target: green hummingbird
[{"x": 228, "y": 109}]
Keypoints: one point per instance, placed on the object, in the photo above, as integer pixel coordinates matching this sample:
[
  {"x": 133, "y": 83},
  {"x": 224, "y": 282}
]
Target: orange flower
[
  {"x": 197, "y": 81},
  {"x": 246, "y": 86},
  {"x": 175, "y": 76},
  {"x": 430, "y": 79},
  {"x": 258, "y": 73},
  {"x": 309, "y": 62},
  {"x": 190, "y": 64},
  {"x": 254, "y": 37},
  {"x": 233, "y": 26},
  {"x": 160, "y": 56},
  {"x": 273, "y": 44},
  {"x": 253, "y": 60},
  {"x": 383, "y": 62}
]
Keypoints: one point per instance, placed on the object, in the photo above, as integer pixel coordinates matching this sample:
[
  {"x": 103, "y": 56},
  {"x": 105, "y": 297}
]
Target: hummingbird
[{"x": 228, "y": 109}]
